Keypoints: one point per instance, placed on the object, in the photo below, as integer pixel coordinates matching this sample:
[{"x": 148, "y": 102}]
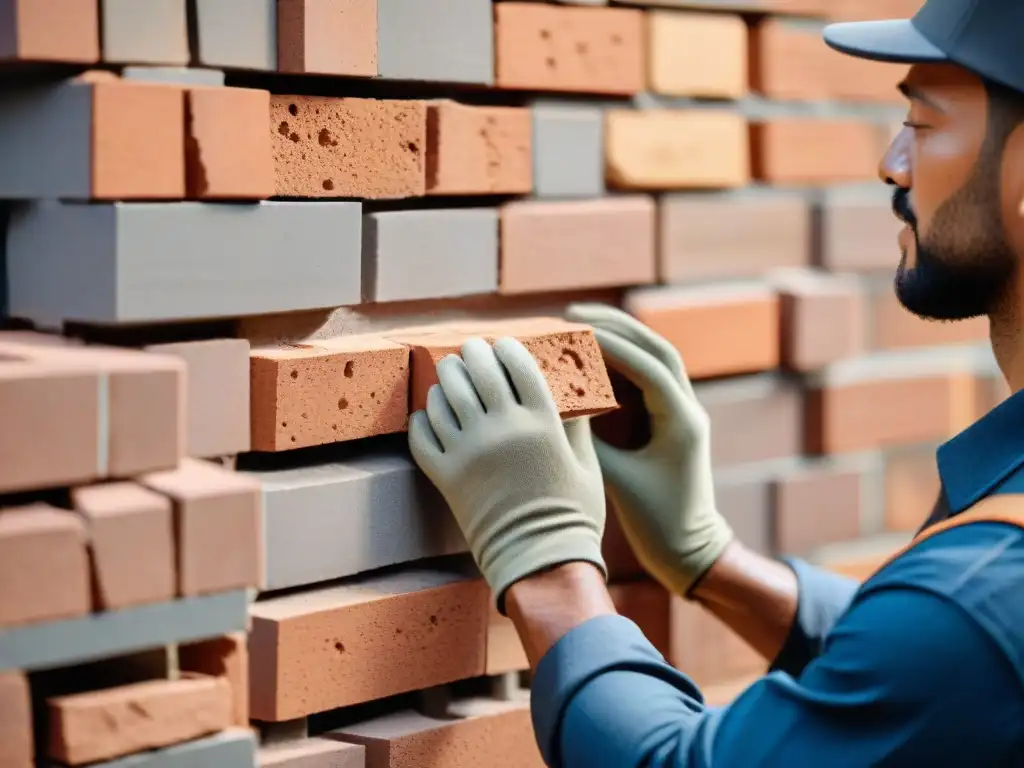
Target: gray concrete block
[
  {"x": 145, "y": 31},
  {"x": 233, "y": 748},
  {"x": 568, "y": 151},
  {"x": 430, "y": 254},
  {"x": 115, "y": 633},
  {"x": 176, "y": 75},
  {"x": 152, "y": 262},
  {"x": 341, "y": 517},
  {"x": 237, "y": 34},
  {"x": 443, "y": 40}
]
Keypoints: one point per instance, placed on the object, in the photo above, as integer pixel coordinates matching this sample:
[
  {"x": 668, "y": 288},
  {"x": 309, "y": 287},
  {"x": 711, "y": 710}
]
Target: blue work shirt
[{"x": 922, "y": 665}]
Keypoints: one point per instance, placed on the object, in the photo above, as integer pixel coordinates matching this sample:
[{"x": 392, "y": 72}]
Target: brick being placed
[
  {"x": 348, "y": 147},
  {"x": 430, "y": 254},
  {"x": 160, "y": 262},
  {"x": 66, "y": 31},
  {"x": 217, "y": 524},
  {"x": 312, "y": 753},
  {"x": 114, "y": 722},
  {"x": 858, "y": 231},
  {"x": 541, "y": 47},
  {"x": 335, "y": 516},
  {"x": 801, "y": 150},
  {"x": 152, "y": 32},
  {"x": 478, "y": 732},
  {"x": 703, "y": 55},
  {"x": 577, "y": 244},
  {"x": 17, "y": 748},
  {"x": 93, "y": 139},
  {"x": 475, "y": 150},
  {"x": 325, "y": 37},
  {"x": 823, "y": 318},
  {"x": 660, "y": 149},
  {"x": 236, "y": 34},
  {"x": 366, "y": 639},
  {"x": 568, "y": 150},
  {"x": 724, "y": 330},
  {"x": 226, "y": 658},
  {"x": 567, "y": 353}
]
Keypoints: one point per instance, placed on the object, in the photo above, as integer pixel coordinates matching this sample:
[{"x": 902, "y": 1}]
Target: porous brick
[
  {"x": 327, "y": 37},
  {"x": 697, "y": 54},
  {"x": 50, "y": 30}
]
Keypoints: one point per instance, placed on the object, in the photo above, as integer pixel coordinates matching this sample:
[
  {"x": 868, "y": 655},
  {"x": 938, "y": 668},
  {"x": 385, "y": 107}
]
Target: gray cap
[{"x": 983, "y": 36}]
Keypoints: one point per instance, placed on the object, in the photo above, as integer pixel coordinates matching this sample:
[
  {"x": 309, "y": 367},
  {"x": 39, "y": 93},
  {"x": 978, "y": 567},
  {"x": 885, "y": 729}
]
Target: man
[{"x": 923, "y": 665}]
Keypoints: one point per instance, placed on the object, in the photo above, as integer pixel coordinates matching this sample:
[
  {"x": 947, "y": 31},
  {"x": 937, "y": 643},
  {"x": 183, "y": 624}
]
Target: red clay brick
[
  {"x": 218, "y": 526},
  {"x": 131, "y": 539},
  {"x": 312, "y": 753},
  {"x": 109, "y": 723},
  {"x": 896, "y": 328},
  {"x": 647, "y": 604},
  {"x": 224, "y": 657},
  {"x": 858, "y": 233},
  {"x": 50, "y": 30},
  {"x": 364, "y": 640},
  {"x": 706, "y": 649},
  {"x": 817, "y": 505},
  {"x": 543, "y": 47},
  {"x": 822, "y": 319},
  {"x": 16, "y": 743},
  {"x": 505, "y": 651},
  {"x": 716, "y": 236},
  {"x": 567, "y": 353},
  {"x": 803, "y": 151},
  {"x": 478, "y": 150},
  {"x": 328, "y": 391},
  {"x": 44, "y": 567},
  {"x": 330, "y": 147},
  {"x": 719, "y": 332},
  {"x": 869, "y": 10},
  {"x": 911, "y": 488},
  {"x": 327, "y": 37},
  {"x": 697, "y": 54},
  {"x": 577, "y": 245},
  {"x": 659, "y": 149}
]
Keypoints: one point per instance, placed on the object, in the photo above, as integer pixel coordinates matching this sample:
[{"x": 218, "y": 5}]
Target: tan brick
[
  {"x": 327, "y": 37},
  {"x": 218, "y": 526},
  {"x": 17, "y": 749},
  {"x": 497, "y": 734},
  {"x": 816, "y": 505},
  {"x": 822, "y": 318},
  {"x": 330, "y": 147},
  {"x": 912, "y": 488},
  {"x": 44, "y": 567},
  {"x": 225, "y": 657},
  {"x": 328, "y": 391},
  {"x": 706, "y": 649},
  {"x": 312, "y": 753},
  {"x": 896, "y": 328},
  {"x": 505, "y": 651},
  {"x": 217, "y": 407},
  {"x": 859, "y": 233},
  {"x": 100, "y": 725},
  {"x": 803, "y": 151},
  {"x": 478, "y": 150},
  {"x": 676, "y": 149},
  {"x": 647, "y": 604},
  {"x": 716, "y": 236},
  {"x": 131, "y": 539},
  {"x": 227, "y": 148},
  {"x": 697, "y": 54},
  {"x": 728, "y": 330},
  {"x": 577, "y": 245},
  {"x": 364, "y": 640},
  {"x": 50, "y": 31},
  {"x": 567, "y": 353}
]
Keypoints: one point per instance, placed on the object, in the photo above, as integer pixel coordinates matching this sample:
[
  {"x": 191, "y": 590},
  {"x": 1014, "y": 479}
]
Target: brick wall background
[{"x": 238, "y": 234}]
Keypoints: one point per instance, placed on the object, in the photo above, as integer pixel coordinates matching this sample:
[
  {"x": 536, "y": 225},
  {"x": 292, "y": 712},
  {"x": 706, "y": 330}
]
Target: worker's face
[{"x": 951, "y": 190}]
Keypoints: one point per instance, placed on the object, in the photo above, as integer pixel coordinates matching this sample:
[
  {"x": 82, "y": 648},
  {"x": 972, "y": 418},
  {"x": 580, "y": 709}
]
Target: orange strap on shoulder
[{"x": 1003, "y": 508}]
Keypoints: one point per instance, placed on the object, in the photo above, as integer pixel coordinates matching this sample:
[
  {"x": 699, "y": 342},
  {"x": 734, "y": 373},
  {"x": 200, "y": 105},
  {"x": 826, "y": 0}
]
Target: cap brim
[{"x": 894, "y": 40}]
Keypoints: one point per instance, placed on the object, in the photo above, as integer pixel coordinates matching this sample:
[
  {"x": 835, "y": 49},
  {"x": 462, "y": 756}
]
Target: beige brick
[
  {"x": 16, "y": 743},
  {"x": 697, "y": 54}
]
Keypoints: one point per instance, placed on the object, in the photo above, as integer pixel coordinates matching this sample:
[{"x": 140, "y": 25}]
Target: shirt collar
[{"x": 978, "y": 459}]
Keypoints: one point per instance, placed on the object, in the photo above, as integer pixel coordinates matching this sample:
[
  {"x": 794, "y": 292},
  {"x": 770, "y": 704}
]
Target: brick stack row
[{"x": 238, "y": 235}]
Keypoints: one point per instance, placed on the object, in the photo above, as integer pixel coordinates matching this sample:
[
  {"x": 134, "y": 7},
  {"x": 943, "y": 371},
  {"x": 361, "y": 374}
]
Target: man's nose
[{"x": 895, "y": 165}]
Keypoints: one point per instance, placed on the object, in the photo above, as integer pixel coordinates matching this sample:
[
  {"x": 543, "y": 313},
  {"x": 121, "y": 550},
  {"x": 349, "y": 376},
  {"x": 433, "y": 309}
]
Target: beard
[{"x": 964, "y": 262}]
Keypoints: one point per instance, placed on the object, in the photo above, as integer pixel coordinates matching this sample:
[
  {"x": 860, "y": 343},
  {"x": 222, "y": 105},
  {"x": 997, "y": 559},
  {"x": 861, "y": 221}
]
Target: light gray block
[
  {"x": 568, "y": 151},
  {"x": 145, "y": 31},
  {"x": 441, "y": 40},
  {"x": 234, "y": 748},
  {"x": 150, "y": 262},
  {"x": 237, "y": 34},
  {"x": 430, "y": 254},
  {"x": 114, "y": 633},
  {"x": 176, "y": 75},
  {"x": 339, "y": 518}
]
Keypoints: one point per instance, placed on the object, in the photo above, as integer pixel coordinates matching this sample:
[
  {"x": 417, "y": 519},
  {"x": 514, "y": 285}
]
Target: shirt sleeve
[
  {"x": 906, "y": 678},
  {"x": 823, "y": 596}
]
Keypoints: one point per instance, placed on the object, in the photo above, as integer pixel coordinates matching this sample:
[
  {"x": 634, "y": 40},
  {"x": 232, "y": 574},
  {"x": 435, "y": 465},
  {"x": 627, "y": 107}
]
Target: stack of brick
[{"x": 241, "y": 233}]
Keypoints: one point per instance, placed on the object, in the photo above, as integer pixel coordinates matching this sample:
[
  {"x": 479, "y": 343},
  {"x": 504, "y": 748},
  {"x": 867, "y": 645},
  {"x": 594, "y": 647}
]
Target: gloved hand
[
  {"x": 525, "y": 488},
  {"x": 664, "y": 491}
]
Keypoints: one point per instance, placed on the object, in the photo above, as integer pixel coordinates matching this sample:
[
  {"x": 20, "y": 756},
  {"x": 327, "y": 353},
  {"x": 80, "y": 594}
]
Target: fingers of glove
[
  {"x": 581, "y": 440},
  {"x": 488, "y": 375},
  {"x": 441, "y": 418},
  {"x": 424, "y": 446},
  {"x": 616, "y": 464},
  {"x": 529, "y": 383},
  {"x": 458, "y": 389}
]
